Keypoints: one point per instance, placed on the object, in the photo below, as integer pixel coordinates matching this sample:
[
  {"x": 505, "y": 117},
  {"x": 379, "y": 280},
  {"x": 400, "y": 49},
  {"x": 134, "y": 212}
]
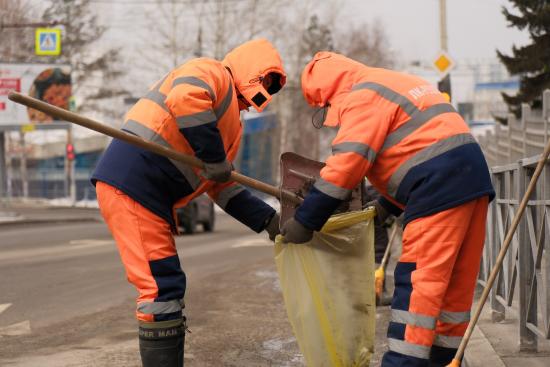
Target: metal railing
[
  {"x": 522, "y": 288},
  {"x": 520, "y": 138}
]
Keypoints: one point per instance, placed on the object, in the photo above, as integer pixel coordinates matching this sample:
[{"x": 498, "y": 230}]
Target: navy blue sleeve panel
[
  {"x": 249, "y": 210},
  {"x": 316, "y": 209},
  {"x": 445, "y": 181},
  {"x": 148, "y": 178},
  {"x": 206, "y": 142},
  {"x": 390, "y": 207}
]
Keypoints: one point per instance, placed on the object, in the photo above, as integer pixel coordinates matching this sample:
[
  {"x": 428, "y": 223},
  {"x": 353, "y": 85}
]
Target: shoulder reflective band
[
  {"x": 389, "y": 95},
  {"x": 193, "y": 80}
]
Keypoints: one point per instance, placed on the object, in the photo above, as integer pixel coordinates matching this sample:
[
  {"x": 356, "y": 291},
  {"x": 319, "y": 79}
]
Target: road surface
[{"x": 65, "y": 302}]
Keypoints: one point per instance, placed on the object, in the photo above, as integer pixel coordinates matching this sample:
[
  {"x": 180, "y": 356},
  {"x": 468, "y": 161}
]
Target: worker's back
[{"x": 197, "y": 93}]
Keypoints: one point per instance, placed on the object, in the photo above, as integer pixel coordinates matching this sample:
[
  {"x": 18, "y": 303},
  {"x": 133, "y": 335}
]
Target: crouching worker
[
  {"x": 402, "y": 134},
  {"x": 194, "y": 109}
]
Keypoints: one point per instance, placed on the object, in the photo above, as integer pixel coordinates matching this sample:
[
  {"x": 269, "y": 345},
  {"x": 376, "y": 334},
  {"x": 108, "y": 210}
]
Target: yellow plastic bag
[{"x": 328, "y": 289}]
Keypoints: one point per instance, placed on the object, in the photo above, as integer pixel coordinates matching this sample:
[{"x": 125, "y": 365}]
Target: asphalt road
[{"x": 65, "y": 302}]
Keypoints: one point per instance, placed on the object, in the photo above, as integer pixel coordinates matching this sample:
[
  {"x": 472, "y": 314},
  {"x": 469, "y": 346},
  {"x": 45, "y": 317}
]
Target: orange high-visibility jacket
[
  {"x": 194, "y": 109},
  {"x": 398, "y": 131}
]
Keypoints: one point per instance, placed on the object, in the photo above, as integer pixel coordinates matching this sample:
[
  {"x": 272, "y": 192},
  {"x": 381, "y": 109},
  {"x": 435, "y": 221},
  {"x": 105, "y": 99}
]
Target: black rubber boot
[{"x": 161, "y": 343}]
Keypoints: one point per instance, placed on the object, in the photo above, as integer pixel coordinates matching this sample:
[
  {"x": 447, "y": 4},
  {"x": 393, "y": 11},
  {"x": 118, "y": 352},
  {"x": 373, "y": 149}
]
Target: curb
[
  {"x": 480, "y": 352},
  {"x": 24, "y": 222}
]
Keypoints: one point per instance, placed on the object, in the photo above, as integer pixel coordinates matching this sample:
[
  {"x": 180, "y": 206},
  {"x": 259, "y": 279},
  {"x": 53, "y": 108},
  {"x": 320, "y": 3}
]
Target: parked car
[{"x": 199, "y": 211}]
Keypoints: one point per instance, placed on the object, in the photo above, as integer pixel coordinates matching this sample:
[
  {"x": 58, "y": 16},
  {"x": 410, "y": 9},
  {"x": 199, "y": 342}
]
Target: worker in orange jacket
[
  {"x": 194, "y": 109},
  {"x": 401, "y": 133}
]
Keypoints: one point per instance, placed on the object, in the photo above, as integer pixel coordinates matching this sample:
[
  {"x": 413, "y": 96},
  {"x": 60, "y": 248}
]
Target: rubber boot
[{"x": 161, "y": 343}]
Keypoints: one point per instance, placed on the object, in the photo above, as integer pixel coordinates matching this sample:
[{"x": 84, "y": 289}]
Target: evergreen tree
[
  {"x": 530, "y": 62},
  {"x": 94, "y": 71}
]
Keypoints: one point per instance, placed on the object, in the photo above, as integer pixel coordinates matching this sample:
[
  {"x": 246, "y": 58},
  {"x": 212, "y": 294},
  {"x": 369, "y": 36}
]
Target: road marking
[
  {"x": 62, "y": 250},
  {"x": 4, "y": 307},
  {"x": 254, "y": 242},
  {"x": 21, "y": 328},
  {"x": 91, "y": 242}
]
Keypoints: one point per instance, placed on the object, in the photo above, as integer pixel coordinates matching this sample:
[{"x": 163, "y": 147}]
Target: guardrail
[{"x": 522, "y": 288}]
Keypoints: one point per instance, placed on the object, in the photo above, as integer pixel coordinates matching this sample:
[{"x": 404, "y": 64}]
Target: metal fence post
[
  {"x": 498, "y": 312},
  {"x": 527, "y": 339}
]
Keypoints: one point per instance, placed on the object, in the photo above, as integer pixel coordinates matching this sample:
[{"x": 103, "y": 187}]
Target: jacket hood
[
  {"x": 249, "y": 64},
  {"x": 327, "y": 79}
]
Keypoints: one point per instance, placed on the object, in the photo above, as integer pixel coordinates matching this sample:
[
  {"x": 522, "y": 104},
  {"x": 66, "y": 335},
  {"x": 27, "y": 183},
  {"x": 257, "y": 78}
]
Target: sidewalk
[
  {"x": 496, "y": 344},
  {"x": 39, "y": 212}
]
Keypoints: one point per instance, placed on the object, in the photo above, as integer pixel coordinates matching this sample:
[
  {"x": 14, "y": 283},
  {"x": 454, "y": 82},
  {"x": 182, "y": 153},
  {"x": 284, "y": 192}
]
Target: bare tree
[
  {"x": 367, "y": 44},
  {"x": 94, "y": 72},
  {"x": 174, "y": 35},
  {"x": 17, "y": 43}
]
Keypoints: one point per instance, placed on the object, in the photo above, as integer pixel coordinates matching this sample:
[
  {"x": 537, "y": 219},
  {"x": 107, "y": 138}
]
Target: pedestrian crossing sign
[{"x": 48, "y": 41}]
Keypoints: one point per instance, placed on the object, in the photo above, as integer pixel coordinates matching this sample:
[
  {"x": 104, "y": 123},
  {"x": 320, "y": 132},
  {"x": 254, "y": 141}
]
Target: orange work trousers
[
  {"x": 435, "y": 280},
  {"x": 148, "y": 252}
]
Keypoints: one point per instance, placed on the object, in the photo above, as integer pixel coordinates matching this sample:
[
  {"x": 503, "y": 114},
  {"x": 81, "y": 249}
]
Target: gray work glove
[
  {"x": 219, "y": 172},
  {"x": 295, "y": 232},
  {"x": 272, "y": 227},
  {"x": 381, "y": 213}
]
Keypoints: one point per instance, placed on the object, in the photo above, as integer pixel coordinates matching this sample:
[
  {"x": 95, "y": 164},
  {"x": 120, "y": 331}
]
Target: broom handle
[{"x": 86, "y": 122}]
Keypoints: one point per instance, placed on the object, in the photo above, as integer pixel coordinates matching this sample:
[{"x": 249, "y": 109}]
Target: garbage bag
[{"x": 328, "y": 290}]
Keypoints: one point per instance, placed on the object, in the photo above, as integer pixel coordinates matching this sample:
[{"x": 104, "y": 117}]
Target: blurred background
[{"x": 111, "y": 52}]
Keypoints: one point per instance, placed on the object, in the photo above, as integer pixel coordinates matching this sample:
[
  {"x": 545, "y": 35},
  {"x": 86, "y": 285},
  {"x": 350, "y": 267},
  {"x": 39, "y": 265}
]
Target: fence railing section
[
  {"x": 521, "y": 138},
  {"x": 522, "y": 288}
]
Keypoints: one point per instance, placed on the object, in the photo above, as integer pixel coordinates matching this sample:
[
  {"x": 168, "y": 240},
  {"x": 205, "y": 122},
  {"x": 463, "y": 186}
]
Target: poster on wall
[{"x": 49, "y": 83}]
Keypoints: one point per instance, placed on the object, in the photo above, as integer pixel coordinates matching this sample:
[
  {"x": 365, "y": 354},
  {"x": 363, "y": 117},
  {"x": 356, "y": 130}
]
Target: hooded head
[
  {"x": 250, "y": 64},
  {"x": 326, "y": 80}
]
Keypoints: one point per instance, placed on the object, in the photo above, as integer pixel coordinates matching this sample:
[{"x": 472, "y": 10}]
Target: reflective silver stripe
[
  {"x": 227, "y": 194},
  {"x": 414, "y": 123},
  {"x": 390, "y": 95},
  {"x": 332, "y": 190},
  {"x": 424, "y": 155},
  {"x": 144, "y": 132},
  {"x": 409, "y": 349},
  {"x": 196, "y": 119},
  {"x": 447, "y": 341},
  {"x": 158, "y": 98},
  {"x": 454, "y": 317},
  {"x": 156, "y": 308},
  {"x": 362, "y": 149},
  {"x": 148, "y": 134},
  {"x": 193, "y": 80},
  {"x": 225, "y": 103},
  {"x": 409, "y": 318}
]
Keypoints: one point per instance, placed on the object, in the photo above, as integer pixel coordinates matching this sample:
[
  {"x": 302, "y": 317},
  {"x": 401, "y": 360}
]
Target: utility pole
[
  {"x": 444, "y": 84},
  {"x": 443, "y": 24}
]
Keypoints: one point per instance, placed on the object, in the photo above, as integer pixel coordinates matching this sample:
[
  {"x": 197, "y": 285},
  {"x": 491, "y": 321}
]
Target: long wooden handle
[
  {"x": 501, "y": 255},
  {"x": 86, "y": 122},
  {"x": 386, "y": 257}
]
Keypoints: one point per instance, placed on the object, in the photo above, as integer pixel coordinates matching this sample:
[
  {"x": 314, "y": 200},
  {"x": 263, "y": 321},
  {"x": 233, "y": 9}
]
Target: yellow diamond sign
[{"x": 443, "y": 63}]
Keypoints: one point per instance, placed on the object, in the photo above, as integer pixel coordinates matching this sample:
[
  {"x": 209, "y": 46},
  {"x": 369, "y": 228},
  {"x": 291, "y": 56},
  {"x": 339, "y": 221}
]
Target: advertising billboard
[{"x": 47, "y": 82}]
